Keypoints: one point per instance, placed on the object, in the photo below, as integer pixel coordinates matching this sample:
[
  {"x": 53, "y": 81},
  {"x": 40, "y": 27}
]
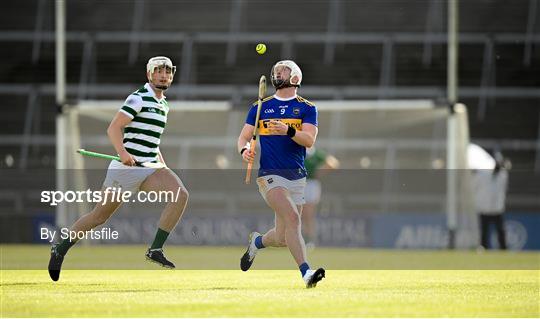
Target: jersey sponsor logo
[{"x": 264, "y": 130}]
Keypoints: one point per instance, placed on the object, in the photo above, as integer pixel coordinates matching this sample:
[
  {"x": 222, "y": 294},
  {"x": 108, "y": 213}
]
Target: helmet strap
[{"x": 283, "y": 84}]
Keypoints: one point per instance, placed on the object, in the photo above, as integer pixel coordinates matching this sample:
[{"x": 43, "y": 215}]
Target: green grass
[
  {"x": 205, "y": 257},
  {"x": 265, "y": 293}
]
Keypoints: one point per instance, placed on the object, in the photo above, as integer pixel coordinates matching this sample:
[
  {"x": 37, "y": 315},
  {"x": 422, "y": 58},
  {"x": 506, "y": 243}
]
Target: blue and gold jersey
[{"x": 280, "y": 155}]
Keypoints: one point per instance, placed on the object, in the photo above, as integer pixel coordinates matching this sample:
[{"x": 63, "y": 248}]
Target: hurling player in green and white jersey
[{"x": 135, "y": 133}]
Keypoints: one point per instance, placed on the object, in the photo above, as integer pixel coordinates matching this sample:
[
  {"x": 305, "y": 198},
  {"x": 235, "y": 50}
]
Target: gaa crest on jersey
[{"x": 130, "y": 101}]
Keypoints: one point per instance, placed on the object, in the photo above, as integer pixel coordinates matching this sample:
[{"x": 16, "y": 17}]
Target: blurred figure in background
[
  {"x": 489, "y": 184},
  {"x": 317, "y": 162}
]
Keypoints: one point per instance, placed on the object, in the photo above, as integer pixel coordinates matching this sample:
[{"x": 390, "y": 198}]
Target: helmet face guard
[
  {"x": 295, "y": 72},
  {"x": 160, "y": 62}
]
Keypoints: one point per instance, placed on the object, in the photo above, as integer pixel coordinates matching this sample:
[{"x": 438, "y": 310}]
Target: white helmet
[
  {"x": 295, "y": 72},
  {"x": 159, "y": 61}
]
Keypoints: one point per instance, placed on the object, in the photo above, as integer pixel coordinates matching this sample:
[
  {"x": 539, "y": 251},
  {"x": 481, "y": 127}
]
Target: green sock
[
  {"x": 64, "y": 246},
  {"x": 161, "y": 237}
]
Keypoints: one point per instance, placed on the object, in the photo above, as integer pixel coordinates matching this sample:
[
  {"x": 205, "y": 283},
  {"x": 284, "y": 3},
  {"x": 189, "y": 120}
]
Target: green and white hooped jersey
[{"x": 149, "y": 116}]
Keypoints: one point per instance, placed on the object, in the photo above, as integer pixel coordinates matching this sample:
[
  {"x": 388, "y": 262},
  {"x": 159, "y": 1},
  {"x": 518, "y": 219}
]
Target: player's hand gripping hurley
[
  {"x": 262, "y": 93},
  {"x": 117, "y": 158}
]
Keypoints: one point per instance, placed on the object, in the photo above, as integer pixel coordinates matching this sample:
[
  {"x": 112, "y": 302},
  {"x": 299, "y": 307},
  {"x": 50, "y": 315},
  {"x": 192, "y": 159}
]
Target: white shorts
[
  {"x": 295, "y": 187},
  {"x": 313, "y": 191},
  {"x": 128, "y": 178}
]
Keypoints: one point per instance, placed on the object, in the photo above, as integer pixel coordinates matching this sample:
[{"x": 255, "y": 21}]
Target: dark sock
[
  {"x": 303, "y": 268},
  {"x": 64, "y": 246},
  {"x": 161, "y": 237},
  {"x": 258, "y": 242}
]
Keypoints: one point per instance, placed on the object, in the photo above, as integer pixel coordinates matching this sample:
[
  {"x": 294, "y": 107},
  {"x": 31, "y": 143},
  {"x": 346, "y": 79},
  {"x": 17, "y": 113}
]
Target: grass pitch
[{"x": 264, "y": 293}]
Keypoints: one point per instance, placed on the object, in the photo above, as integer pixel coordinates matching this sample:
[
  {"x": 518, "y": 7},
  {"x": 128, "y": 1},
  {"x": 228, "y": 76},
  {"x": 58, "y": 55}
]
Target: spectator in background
[{"x": 489, "y": 185}]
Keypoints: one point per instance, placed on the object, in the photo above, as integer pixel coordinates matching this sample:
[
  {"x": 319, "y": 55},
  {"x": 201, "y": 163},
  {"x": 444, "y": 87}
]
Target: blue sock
[
  {"x": 303, "y": 268},
  {"x": 258, "y": 242}
]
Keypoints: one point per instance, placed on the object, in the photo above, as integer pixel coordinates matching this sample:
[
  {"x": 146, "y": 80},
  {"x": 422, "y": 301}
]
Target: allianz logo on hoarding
[
  {"x": 422, "y": 236},
  {"x": 434, "y": 236},
  {"x": 516, "y": 235}
]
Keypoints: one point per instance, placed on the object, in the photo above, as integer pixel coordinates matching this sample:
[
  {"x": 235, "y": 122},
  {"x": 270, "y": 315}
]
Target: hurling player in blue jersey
[{"x": 287, "y": 125}]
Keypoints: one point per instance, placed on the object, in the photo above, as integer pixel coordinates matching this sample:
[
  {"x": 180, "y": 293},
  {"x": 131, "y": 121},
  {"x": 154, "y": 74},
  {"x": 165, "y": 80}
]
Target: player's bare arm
[
  {"x": 306, "y": 137},
  {"x": 243, "y": 140},
  {"x": 331, "y": 162},
  {"x": 116, "y": 136}
]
